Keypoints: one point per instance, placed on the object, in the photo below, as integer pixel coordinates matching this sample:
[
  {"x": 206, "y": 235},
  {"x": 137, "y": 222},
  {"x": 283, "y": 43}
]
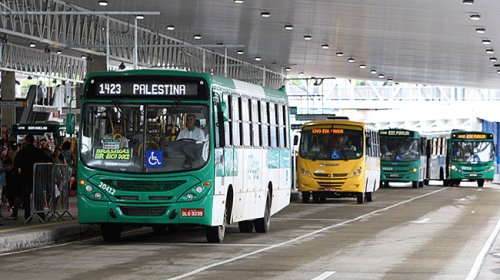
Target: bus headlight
[
  {"x": 357, "y": 172},
  {"x": 305, "y": 172},
  {"x": 97, "y": 195},
  {"x": 88, "y": 188},
  {"x": 453, "y": 167},
  {"x": 189, "y": 196},
  {"x": 414, "y": 170},
  {"x": 492, "y": 167}
]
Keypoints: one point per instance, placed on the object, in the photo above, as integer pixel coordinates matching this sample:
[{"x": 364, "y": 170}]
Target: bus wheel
[
  {"x": 315, "y": 196},
  {"x": 446, "y": 182},
  {"x": 421, "y": 184},
  {"x": 414, "y": 184},
  {"x": 263, "y": 224},
  {"x": 369, "y": 197},
  {"x": 111, "y": 232},
  {"x": 306, "y": 196},
  {"x": 215, "y": 234},
  {"x": 322, "y": 197},
  {"x": 480, "y": 183},
  {"x": 245, "y": 226},
  {"x": 426, "y": 182},
  {"x": 386, "y": 184},
  {"x": 360, "y": 197}
]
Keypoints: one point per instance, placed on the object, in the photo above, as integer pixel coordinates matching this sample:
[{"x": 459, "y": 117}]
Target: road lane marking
[
  {"x": 304, "y": 236},
  {"x": 324, "y": 275},
  {"x": 422, "y": 221},
  {"x": 474, "y": 271}
]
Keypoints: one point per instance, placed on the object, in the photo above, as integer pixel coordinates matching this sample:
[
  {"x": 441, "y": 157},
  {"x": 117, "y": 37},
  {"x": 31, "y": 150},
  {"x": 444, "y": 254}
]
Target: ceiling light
[
  {"x": 139, "y": 17},
  {"x": 29, "y": 78},
  {"x": 103, "y": 3},
  {"x": 238, "y": 1},
  {"x": 381, "y": 76},
  {"x": 301, "y": 74},
  {"x": 389, "y": 79},
  {"x": 288, "y": 69},
  {"x": 339, "y": 54},
  {"x": 265, "y": 14},
  {"x": 325, "y": 46},
  {"x": 490, "y": 51},
  {"x": 498, "y": 71},
  {"x": 197, "y": 36},
  {"x": 170, "y": 27},
  {"x": 240, "y": 51},
  {"x": 84, "y": 56},
  {"x": 475, "y": 16},
  {"x": 307, "y": 37},
  {"x": 373, "y": 71},
  {"x": 486, "y": 41},
  {"x": 258, "y": 58},
  {"x": 32, "y": 45},
  {"x": 362, "y": 66},
  {"x": 480, "y": 30},
  {"x": 493, "y": 59},
  {"x": 59, "y": 52},
  {"x": 468, "y": 2},
  {"x": 288, "y": 27},
  {"x": 350, "y": 59}
]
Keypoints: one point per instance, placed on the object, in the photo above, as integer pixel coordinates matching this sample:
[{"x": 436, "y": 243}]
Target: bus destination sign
[
  {"x": 396, "y": 133},
  {"x": 327, "y": 131},
  {"x": 471, "y": 136},
  {"x": 142, "y": 89}
]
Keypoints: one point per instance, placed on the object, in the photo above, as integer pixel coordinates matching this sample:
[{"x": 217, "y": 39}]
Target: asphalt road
[{"x": 433, "y": 232}]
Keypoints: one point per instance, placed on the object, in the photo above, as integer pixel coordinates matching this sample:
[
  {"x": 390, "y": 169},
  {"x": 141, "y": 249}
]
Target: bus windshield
[
  {"x": 399, "y": 149},
  {"x": 144, "y": 138},
  {"x": 331, "y": 146},
  {"x": 472, "y": 151}
]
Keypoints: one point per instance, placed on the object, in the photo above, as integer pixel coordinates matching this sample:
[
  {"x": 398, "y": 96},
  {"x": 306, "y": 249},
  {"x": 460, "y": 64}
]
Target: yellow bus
[{"x": 338, "y": 158}]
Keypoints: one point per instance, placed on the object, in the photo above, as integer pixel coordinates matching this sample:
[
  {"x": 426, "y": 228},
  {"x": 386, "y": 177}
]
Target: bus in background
[
  {"x": 54, "y": 132},
  {"x": 461, "y": 156},
  {"x": 139, "y": 164},
  {"x": 338, "y": 158},
  {"x": 403, "y": 157}
]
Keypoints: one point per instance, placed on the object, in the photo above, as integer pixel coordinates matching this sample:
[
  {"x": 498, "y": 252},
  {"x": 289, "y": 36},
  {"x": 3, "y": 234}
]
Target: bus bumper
[
  {"x": 399, "y": 176},
  {"x": 349, "y": 185}
]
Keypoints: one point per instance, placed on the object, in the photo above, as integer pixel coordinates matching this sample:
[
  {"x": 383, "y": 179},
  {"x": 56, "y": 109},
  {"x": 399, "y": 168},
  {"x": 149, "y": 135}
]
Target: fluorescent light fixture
[
  {"x": 170, "y": 27},
  {"x": 258, "y": 58},
  {"x": 475, "y": 16},
  {"x": 240, "y": 52},
  {"x": 339, "y": 54},
  {"x": 373, "y": 71},
  {"x": 362, "y": 66},
  {"x": 58, "y": 52},
  {"x": 238, "y": 1},
  {"x": 103, "y": 3},
  {"x": 490, "y": 51},
  {"x": 288, "y": 27},
  {"x": 84, "y": 56},
  {"x": 480, "y": 30},
  {"x": 288, "y": 69},
  {"x": 486, "y": 42},
  {"x": 498, "y": 71},
  {"x": 139, "y": 17},
  {"x": 468, "y": 2},
  {"x": 197, "y": 36},
  {"x": 307, "y": 37},
  {"x": 350, "y": 59},
  {"x": 381, "y": 76},
  {"x": 265, "y": 14},
  {"x": 493, "y": 59},
  {"x": 325, "y": 46},
  {"x": 32, "y": 45}
]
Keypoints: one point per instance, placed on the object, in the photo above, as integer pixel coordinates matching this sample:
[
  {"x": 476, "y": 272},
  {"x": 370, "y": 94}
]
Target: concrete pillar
[{"x": 8, "y": 94}]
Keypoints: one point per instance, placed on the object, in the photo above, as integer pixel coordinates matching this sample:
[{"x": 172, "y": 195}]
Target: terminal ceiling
[{"x": 424, "y": 42}]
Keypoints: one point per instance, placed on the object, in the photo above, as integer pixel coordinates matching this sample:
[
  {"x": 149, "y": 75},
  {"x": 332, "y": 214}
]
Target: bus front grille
[
  {"x": 143, "y": 186},
  {"x": 143, "y": 211},
  {"x": 330, "y": 184},
  {"x": 331, "y": 175}
]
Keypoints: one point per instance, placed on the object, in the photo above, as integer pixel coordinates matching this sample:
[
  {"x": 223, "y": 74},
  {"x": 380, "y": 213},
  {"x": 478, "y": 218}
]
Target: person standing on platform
[
  {"x": 25, "y": 160},
  {"x": 3, "y": 181}
]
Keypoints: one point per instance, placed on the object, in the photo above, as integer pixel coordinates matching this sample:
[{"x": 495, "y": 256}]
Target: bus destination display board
[
  {"x": 144, "y": 87},
  {"x": 327, "y": 131},
  {"x": 473, "y": 136},
  {"x": 395, "y": 132}
]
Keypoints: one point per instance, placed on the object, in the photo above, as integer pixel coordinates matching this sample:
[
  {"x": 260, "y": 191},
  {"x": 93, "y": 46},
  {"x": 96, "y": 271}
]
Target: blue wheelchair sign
[{"x": 154, "y": 158}]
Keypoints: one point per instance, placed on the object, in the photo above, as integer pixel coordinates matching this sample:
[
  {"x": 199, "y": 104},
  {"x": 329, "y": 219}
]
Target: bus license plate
[
  {"x": 473, "y": 174},
  {"x": 394, "y": 175},
  {"x": 329, "y": 189},
  {"x": 192, "y": 212}
]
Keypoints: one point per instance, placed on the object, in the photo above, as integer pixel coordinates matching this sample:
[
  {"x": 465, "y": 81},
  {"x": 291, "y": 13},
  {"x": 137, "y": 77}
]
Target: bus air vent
[
  {"x": 160, "y": 197},
  {"x": 127, "y": 197},
  {"x": 143, "y": 211},
  {"x": 143, "y": 186}
]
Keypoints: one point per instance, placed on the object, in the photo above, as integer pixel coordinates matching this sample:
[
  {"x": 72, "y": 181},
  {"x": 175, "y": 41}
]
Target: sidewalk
[{"x": 16, "y": 235}]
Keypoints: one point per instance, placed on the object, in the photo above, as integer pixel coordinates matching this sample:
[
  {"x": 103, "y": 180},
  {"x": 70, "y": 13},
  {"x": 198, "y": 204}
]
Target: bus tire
[
  {"x": 305, "y": 197},
  {"x": 426, "y": 182},
  {"x": 480, "y": 183},
  {"x": 215, "y": 234},
  {"x": 315, "y": 196},
  {"x": 245, "y": 226},
  {"x": 414, "y": 184},
  {"x": 263, "y": 224},
  {"x": 386, "y": 184},
  {"x": 322, "y": 197},
  {"x": 360, "y": 197},
  {"x": 111, "y": 232},
  {"x": 421, "y": 184},
  {"x": 369, "y": 196},
  {"x": 446, "y": 182}
]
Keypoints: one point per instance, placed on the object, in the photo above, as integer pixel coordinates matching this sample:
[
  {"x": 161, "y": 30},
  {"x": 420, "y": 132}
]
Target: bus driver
[{"x": 191, "y": 131}]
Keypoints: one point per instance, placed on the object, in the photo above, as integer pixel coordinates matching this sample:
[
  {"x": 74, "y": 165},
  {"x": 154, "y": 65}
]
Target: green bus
[
  {"x": 402, "y": 157},
  {"x": 137, "y": 167},
  {"x": 461, "y": 156}
]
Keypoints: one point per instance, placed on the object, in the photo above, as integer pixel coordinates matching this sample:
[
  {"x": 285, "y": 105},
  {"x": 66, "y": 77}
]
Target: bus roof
[{"x": 335, "y": 121}]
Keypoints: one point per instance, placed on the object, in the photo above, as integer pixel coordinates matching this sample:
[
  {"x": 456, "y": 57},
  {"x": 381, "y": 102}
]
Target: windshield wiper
[{"x": 120, "y": 109}]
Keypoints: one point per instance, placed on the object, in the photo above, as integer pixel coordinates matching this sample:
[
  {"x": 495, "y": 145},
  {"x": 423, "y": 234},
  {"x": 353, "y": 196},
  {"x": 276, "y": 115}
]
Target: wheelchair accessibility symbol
[{"x": 154, "y": 158}]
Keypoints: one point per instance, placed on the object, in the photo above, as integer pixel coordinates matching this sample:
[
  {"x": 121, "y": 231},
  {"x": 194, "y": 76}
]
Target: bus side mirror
[
  {"x": 295, "y": 140},
  {"x": 70, "y": 123},
  {"x": 223, "y": 110}
]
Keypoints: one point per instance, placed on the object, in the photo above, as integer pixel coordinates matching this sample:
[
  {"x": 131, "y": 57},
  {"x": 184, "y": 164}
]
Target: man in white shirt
[{"x": 191, "y": 131}]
